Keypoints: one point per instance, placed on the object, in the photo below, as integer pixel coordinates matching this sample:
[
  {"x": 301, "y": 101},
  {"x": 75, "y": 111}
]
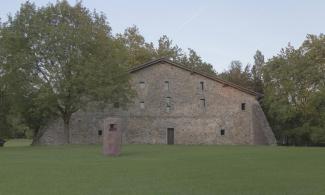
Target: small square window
[
  {"x": 142, "y": 84},
  {"x": 112, "y": 127},
  {"x": 222, "y": 132},
  {"x": 142, "y": 105},
  {"x": 100, "y": 132},
  {"x": 243, "y": 106}
]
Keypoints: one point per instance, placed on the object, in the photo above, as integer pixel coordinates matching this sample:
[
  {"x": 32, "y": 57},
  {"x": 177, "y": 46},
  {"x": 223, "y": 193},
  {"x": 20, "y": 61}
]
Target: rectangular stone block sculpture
[{"x": 112, "y": 138}]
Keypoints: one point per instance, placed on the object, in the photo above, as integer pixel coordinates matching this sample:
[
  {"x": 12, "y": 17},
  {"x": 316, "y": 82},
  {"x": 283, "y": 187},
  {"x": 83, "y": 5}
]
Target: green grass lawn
[
  {"x": 18, "y": 142},
  {"x": 162, "y": 169}
]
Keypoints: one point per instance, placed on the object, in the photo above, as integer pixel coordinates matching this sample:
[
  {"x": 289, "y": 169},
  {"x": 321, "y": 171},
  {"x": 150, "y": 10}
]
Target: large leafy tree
[
  {"x": 67, "y": 56},
  {"x": 167, "y": 49},
  {"x": 294, "y": 92},
  {"x": 138, "y": 50},
  {"x": 257, "y": 72},
  {"x": 194, "y": 61},
  {"x": 238, "y": 74}
]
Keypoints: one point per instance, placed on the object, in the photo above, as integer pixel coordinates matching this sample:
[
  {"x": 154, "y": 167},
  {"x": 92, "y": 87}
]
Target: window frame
[
  {"x": 142, "y": 105},
  {"x": 168, "y": 101},
  {"x": 167, "y": 85},
  {"x": 243, "y": 106},
  {"x": 100, "y": 132},
  {"x": 142, "y": 84},
  {"x": 202, "y": 85},
  {"x": 203, "y": 103}
]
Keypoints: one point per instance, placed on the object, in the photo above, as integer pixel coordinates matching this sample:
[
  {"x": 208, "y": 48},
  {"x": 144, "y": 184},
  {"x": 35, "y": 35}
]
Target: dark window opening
[
  {"x": 142, "y": 84},
  {"x": 202, "y": 85},
  {"x": 222, "y": 132},
  {"x": 168, "y": 101},
  {"x": 116, "y": 105},
  {"x": 167, "y": 85},
  {"x": 100, "y": 132},
  {"x": 142, "y": 105},
  {"x": 243, "y": 106},
  {"x": 112, "y": 127}
]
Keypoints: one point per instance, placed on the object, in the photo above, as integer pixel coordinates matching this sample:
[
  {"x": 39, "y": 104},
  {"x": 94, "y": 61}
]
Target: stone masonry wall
[
  {"x": 192, "y": 122},
  {"x": 147, "y": 119}
]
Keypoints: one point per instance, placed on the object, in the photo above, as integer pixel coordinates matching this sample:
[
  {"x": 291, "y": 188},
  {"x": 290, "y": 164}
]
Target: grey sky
[{"x": 220, "y": 31}]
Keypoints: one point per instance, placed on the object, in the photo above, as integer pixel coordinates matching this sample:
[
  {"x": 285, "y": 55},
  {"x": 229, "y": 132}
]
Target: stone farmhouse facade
[{"x": 175, "y": 105}]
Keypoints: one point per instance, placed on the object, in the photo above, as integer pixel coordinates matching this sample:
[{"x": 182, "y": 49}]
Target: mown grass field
[{"x": 161, "y": 169}]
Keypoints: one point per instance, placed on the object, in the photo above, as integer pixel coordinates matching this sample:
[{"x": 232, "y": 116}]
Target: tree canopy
[
  {"x": 139, "y": 51},
  {"x": 65, "y": 57},
  {"x": 238, "y": 75},
  {"x": 294, "y": 85}
]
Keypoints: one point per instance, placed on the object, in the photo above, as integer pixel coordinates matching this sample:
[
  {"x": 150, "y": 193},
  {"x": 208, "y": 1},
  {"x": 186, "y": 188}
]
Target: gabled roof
[{"x": 212, "y": 77}]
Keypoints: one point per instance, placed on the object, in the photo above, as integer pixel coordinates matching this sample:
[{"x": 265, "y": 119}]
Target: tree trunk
[
  {"x": 66, "y": 129},
  {"x": 37, "y": 135}
]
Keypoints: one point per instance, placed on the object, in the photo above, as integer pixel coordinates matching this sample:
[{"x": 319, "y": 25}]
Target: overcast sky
[{"x": 220, "y": 31}]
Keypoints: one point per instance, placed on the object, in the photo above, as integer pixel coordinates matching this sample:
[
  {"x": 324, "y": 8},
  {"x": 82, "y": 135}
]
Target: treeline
[
  {"x": 140, "y": 51},
  {"x": 56, "y": 59}
]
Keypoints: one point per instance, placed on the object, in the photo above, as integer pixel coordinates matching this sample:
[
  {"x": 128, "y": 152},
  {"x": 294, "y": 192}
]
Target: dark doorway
[{"x": 170, "y": 136}]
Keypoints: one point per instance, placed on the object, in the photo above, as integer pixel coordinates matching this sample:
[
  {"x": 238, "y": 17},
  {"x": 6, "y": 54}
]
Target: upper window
[
  {"x": 168, "y": 104},
  {"x": 142, "y": 84},
  {"x": 202, "y": 85},
  {"x": 168, "y": 101},
  {"x": 166, "y": 85},
  {"x": 243, "y": 106},
  {"x": 202, "y": 102},
  {"x": 142, "y": 105}
]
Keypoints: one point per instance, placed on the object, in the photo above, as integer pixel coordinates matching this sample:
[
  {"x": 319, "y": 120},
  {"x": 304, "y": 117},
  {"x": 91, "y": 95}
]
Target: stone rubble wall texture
[{"x": 192, "y": 122}]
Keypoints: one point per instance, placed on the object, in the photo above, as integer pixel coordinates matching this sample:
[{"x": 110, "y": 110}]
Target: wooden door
[{"x": 170, "y": 136}]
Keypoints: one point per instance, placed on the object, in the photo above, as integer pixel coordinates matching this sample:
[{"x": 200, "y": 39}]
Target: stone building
[{"x": 175, "y": 105}]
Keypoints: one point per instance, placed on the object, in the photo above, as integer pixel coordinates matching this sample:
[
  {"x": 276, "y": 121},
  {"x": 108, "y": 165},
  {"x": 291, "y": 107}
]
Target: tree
[
  {"x": 166, "y": 49},
  {"x": 238, "y": 75},
  {"x": 257, "y": 72},
  {"x": 138, "y": 50},
  {"x": 294, "y": 92},
  {"x": 5, "y": 128},
  {"x": 194, "y": 61},
  {"x": 68, "y": 56},
  {"x": 175, "y": 53}
]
